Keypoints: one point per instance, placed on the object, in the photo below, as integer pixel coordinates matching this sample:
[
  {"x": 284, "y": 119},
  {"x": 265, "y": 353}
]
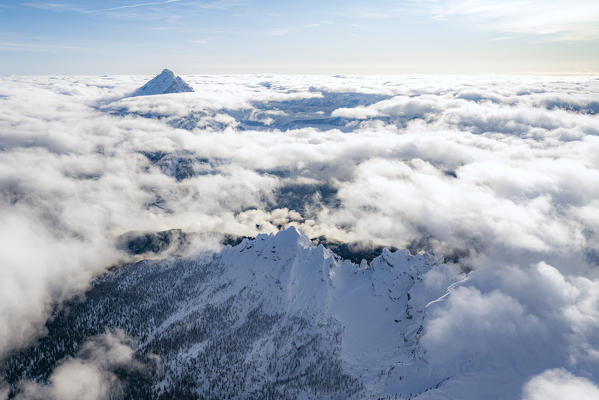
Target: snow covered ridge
[
  {"x": 164, "y": 83},
  {"x": 278, "y": 317},
  {"x": 274, "y": 316}
]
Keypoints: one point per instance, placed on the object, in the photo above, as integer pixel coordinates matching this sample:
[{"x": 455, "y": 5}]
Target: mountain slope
[{"x": 273, "y": 317}]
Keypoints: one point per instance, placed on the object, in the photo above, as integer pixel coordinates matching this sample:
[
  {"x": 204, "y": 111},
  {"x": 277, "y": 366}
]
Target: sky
[{"x": 306, "y": 36}]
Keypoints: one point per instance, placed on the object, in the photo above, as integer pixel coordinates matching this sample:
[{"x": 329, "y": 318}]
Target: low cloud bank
[
  {"x": 497, "y": 174},
  {"x": 556, "y": 384},
  {"x": 90, "y": 375}
]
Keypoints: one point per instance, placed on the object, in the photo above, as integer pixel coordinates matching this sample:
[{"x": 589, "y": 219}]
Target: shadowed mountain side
[{"x": 268, "y": 318}]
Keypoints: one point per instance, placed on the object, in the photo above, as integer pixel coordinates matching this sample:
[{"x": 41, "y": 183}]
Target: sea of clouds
[{"x": 497, "y": 174}]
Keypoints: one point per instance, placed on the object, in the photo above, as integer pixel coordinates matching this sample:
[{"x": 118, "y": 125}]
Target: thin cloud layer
[
  {"x": 90, "y": 375},
  {"x": 498, "y": 175},
  {"x": 557, "y": 384},
  {"x": 565, "y": 20}
]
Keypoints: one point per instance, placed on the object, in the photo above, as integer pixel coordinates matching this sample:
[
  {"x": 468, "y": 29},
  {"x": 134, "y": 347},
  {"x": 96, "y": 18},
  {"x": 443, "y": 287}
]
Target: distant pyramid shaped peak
[{"x": 163, "y": 83}]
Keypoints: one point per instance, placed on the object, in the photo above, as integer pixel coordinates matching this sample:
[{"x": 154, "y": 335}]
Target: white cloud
[
  {"x": 571, "y": 20},
  {"x": 89, "y": 375},
  {"x": 558, "y": 384},
  {"x": 509, "y": 324},
  {"x": 502, "y": 169}
]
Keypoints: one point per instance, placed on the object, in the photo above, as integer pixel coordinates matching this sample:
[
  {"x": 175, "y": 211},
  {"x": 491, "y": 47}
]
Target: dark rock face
[
  {"x": 301, "y": 197},
  {"x": 136, "y": 243},
  {"x": 181, "y": 165},
  {"x": 355, "y": 252}
]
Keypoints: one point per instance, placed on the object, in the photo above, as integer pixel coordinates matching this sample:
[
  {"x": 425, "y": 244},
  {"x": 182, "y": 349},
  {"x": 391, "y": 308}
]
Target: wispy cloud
[
  {"x": 37, "y": 47},
  {"x": 152, "y": 3},
  {"x": 53, "y": 6},
  {"x": 565, "y": 19},
  {"x": 278, "y": 32},
  {"x": 212, "y": 5},
  {"x": 201, "y": 41},
  {"x": 71, "y": 7},
  {"x": 380, "y": 12},
  {"x": 367, "y": 13},
  {"x": 219, "y": 4},
  {"x": 502, "y": 38}
]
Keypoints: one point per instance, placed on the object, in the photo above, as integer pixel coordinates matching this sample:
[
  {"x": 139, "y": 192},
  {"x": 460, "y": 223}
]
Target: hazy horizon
[{"x": 349, "y": 37}]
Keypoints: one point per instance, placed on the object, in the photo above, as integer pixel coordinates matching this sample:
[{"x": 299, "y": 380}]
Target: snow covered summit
[
  {"x": 273, "y": 317},
  {"x": 163, "y": 83}
]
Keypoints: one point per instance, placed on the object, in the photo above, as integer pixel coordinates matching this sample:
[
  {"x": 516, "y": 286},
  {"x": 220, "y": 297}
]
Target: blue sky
[{"x": 245, "y": 36}]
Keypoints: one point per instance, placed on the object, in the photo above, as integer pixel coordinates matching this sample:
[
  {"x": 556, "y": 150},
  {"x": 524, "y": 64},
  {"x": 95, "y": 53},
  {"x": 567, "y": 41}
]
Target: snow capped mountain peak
[
  {"x": 163, "y": 83},
  {"x": 168, "y": 72},
  {"x": 282, "y": 316},
  {"x": 293, "y": 236}
]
